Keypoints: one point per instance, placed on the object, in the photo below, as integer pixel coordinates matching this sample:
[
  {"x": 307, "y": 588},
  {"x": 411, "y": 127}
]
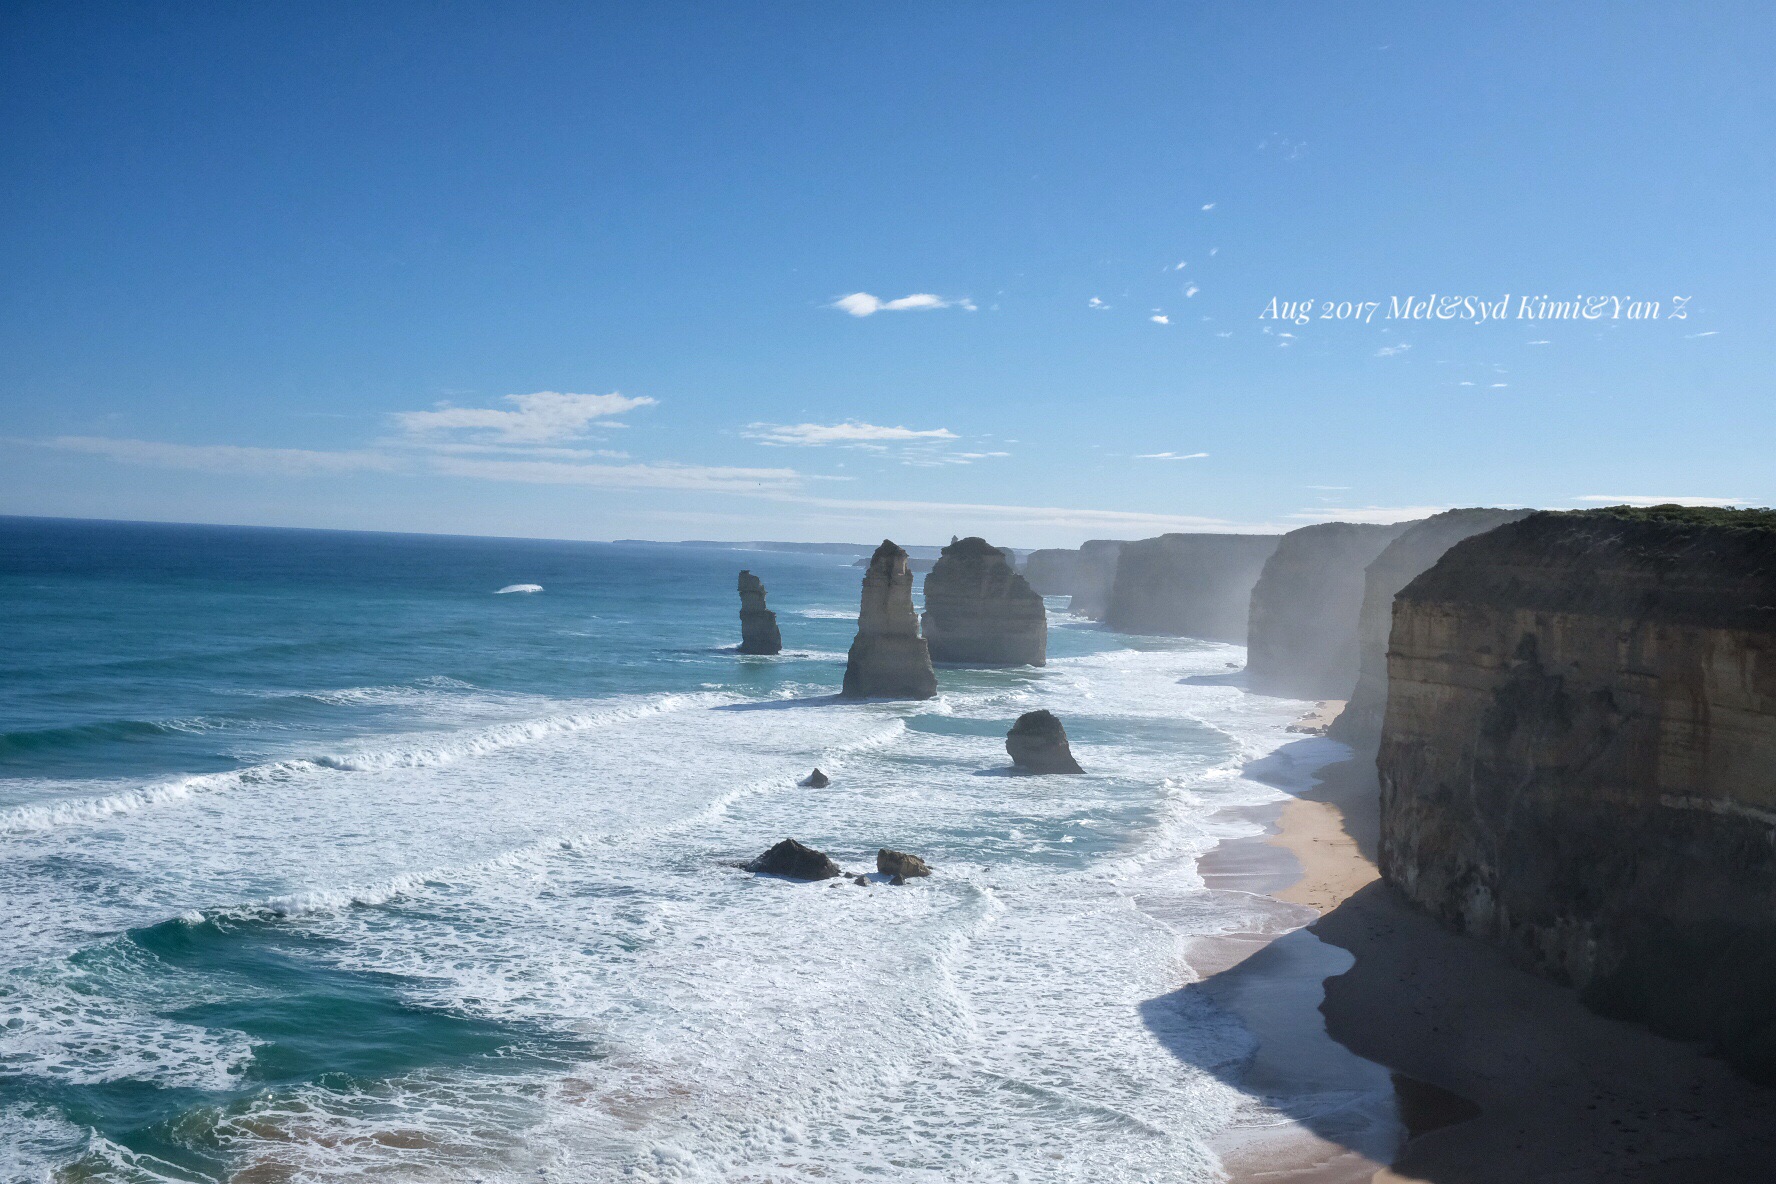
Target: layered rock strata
[
  {"x": 1190, "y": 585},
  {"x": 979, "y": 612},
  {"x": 1301, "y": 636},
  {"x": 888, "y": 658},
  {"x": 1359, "y": 724},
  {"x": 1578, "y": 760},
  {"x": 1052, "y": 571},
  {"x": 1037, "y": 743},
  {"x": 758, "y": 624}
]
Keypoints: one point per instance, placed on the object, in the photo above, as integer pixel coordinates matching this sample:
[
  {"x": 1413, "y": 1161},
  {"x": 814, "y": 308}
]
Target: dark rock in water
[
  {"x": 898, "y": 863},
  {"x": 1038, "y": 743},
  {"x": 1578, "y": 760},
  {"x": 897, "y": 881},
  {"x": 1189, "y": 585},
  {"x": 792, "y": 859},
  {"x": 862, "y": 881},
  {"x": 815, "y": 780},
  {"x": 758, "y": 624},
  {"x": 979, "y": 612},
  {"x": 888, "y": 658},
  {"x": 1302, "y": 641},
  {"x": 1359, "y": 724}
]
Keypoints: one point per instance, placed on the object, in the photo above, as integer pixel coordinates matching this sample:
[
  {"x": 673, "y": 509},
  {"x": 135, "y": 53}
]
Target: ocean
[{"x": 322, "y": 858}]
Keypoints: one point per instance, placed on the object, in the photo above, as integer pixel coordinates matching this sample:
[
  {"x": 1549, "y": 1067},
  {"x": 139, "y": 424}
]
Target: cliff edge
[
  {"x": 1191, "y": 585},
  {"x": 1578, "y": 760}
]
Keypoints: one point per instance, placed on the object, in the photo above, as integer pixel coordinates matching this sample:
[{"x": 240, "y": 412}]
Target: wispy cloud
[
  {"x": 862, "y": 304},
  {"x": 1381, "y": 515},
  {"x": 708, "y": 478},
  {"x": 1170, "y": 455},
  {"x": 1160, "y": 319},
  {"x": 227, "y": 458},
  {"x": 850, "y": 432},
  {"x": 1389, "y": 351},
  {"x": 1644, "y": 499},
  {"x": 1693, "y": 336},
  {"x": 538, "y": 418}
]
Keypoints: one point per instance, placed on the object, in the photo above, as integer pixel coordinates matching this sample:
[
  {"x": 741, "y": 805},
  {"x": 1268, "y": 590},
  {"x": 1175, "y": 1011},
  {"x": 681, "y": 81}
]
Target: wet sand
[{"x": 1497, "y": 1075}]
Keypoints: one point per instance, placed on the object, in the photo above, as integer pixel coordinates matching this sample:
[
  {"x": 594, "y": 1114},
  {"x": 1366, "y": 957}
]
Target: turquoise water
[{"x": 322, "y": 859}]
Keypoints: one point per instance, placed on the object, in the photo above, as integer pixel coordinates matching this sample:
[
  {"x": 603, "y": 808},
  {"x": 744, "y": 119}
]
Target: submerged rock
[
  {"x": 1038, "y": 744},
  {"x": 888, "y": 658},
  {"x": 979, "y": 612},
  {"x": 815, "y": 780},
  {"x": 796, "y": 861},
  {"x": 758, "y": 624},
  {"x": 1578, "y": 760},
  {"x": 899, "y": 864}
]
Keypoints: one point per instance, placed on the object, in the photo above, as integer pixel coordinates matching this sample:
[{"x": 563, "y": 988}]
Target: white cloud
[
  {"x": 1381, "y": 515},
  {"x": 1094, "y": 302},
  {"x": 532, "y": 452},
  {"x": 1208, "y": 207},
  {"x": 1170, "y": 455},
  {"x": 1640, "y": 499},
  {"x": 227, "y": 458},
  {"x": 1191, "y": 290},
  {"x": 849, "y": 432},
  {"x": 539, "y": 418},
  {"x": 862, "y": 304},
  {"x": 1693, "y": 336},
  {"x": 1540, "y": 343},
  {"x": 708, "y": 478},
  {"x": 1388, "y": 351},
  {"x": 1160, "y": 319}
]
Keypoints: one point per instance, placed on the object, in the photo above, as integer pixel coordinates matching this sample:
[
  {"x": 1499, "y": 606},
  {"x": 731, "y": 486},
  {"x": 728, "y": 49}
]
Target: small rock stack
[{"x": 758, "y": 624}]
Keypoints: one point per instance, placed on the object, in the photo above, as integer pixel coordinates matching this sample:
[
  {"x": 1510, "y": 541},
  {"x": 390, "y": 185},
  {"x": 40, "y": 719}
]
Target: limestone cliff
[
  {"x": 1359, "y": 724},
  {"x": 1052, "y": 571},
  {"x": 1192, "y": 585},
  {"x": 1094, "y": 576},
  {"x": 979, "y": 612},
  {"x": 1579, "y": 760},
  {"x": 1302, "y": 635},
  {"x": 888, "y": 658},
  {"x": 758, "y": 624}
]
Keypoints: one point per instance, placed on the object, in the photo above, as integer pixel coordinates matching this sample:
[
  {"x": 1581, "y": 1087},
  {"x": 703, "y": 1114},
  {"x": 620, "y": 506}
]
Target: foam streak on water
[{"x": 484, "y": 920}]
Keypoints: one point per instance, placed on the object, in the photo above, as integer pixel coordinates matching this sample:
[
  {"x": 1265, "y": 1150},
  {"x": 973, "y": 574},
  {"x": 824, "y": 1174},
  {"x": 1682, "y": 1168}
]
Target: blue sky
[{"x": 596, "y": 270}]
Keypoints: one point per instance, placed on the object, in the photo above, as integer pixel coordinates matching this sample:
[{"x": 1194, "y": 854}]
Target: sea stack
[
  {"x": 758, "y": 624},
  {"x": 1302, "y": 639},
  {"x": 1191, "y": 585},
  {"x": 888, "y": 658},
  {"x": 1094, "y": 576},
  {"x": 1038, "y": 744},
  {"x": 979, "y": 612},
  {"x": 1359, "y": 724},
  {"x": 1578, "y": 760}
]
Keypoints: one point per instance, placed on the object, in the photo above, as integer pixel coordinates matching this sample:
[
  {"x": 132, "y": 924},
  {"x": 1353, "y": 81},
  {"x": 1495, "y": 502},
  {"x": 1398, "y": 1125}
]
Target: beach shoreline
[{"x": 1489, "y": 1065}]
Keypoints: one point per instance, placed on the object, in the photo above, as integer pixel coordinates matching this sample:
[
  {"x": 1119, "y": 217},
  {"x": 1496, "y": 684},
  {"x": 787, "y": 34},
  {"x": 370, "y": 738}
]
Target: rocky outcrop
[
  {"x": 1094, "y": 577},
  {"x": 758, "y": 624},
  {"x": 1579, "y": 760},
  {"x": 979, "y": 612},
  {"x": 1301, "y": 637},
  {"x": 815, "y": 780},
  {"x": 1038, "y": 744},
  {"x": 890, "y": 862},
  {"x": 795, "y": 861},
  {"x": 1190, "y": 585},
  {"x": 1052, "y": 571},
  {"x": 888, "y": 658},
  {"x": 1359, "y": 724}
]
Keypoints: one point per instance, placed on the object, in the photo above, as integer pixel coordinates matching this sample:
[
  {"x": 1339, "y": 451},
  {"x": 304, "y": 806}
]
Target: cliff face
[
  {"x": 1052, "y": 571},
  {"x": 1094, "y": 577},
  {"x": 979, "y": 612},
  {"x": 888, "y": 658},
  {"x": 1359, "y": 724},
  {"x": 1302, "y": 636},
  {"x": 758, "y": 624},
  {"x": 1192, "y": 585},
  {"x": 1579, "y": 760}
]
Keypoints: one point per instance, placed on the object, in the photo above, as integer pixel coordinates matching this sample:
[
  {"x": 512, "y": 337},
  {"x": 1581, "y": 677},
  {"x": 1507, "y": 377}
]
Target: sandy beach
[{"x": 1491, "y": 1066}]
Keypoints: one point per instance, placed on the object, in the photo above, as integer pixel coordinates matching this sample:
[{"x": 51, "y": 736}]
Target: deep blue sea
[{"x": 322, "y": 858}]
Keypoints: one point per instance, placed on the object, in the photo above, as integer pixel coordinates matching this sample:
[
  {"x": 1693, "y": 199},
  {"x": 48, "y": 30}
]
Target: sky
[{"x": 843, "y": 271}]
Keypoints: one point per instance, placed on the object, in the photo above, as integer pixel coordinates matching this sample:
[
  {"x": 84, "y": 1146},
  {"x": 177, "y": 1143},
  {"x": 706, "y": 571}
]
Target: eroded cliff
[
  {"x": 1052, "y": 571},
  {"x": 979, "y": 612},
  {"x": 758, "y": 624},
  {"x": 888, "y": 658},
  {"x": 1302, "y": 634},
  {"x": 1579, "y": 760},
  {"x": 1094, "y": 576},
  {"x": 1421, "y": 545},
  {"x": 1191, "y": 585}
]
